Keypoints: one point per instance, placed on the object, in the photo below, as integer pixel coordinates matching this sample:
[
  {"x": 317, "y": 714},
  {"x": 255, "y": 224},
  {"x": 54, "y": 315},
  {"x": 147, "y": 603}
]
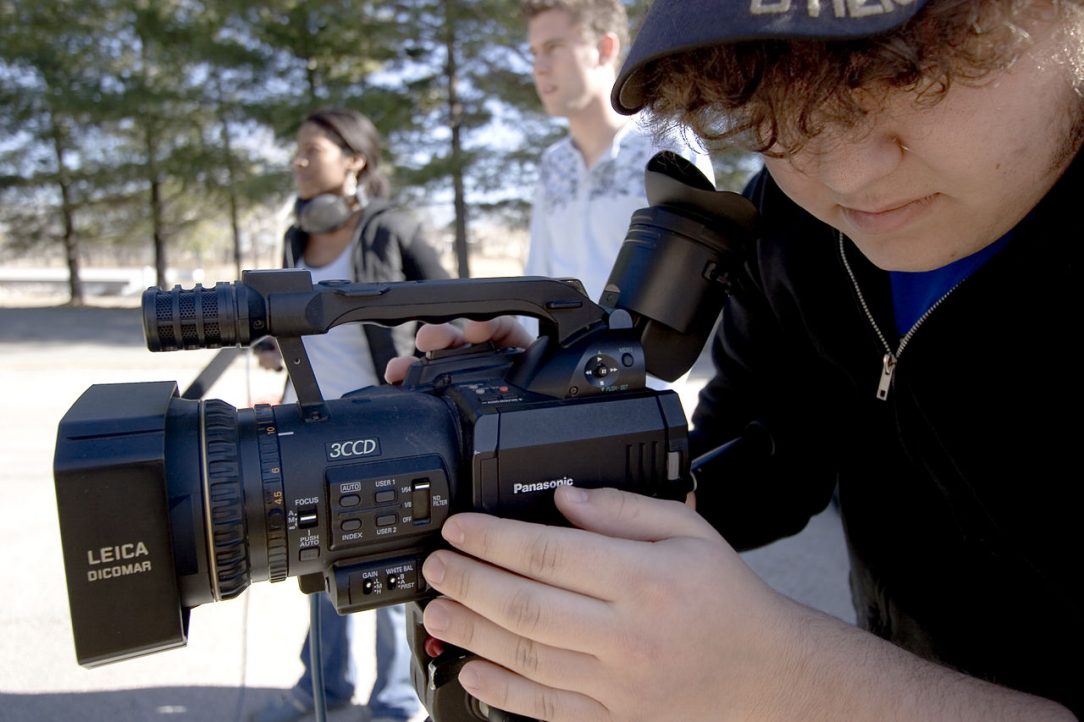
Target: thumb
[{"x": 625, "y": 515}]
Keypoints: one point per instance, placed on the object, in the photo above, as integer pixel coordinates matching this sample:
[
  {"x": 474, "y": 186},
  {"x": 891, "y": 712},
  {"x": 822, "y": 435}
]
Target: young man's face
[
  {"x": 922, "y": 187},
  {"x": 569, "y": 74}
]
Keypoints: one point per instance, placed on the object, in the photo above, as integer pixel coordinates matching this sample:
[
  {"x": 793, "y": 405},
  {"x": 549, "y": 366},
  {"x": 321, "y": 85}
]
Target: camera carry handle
[{"x": 285, "y": 303}]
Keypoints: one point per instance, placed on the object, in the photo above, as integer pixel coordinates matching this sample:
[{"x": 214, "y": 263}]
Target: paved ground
[{"x": 241, "y": 651}]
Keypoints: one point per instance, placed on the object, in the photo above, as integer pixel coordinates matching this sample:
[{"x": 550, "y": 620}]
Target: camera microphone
[{"x": 195, "y": 318}]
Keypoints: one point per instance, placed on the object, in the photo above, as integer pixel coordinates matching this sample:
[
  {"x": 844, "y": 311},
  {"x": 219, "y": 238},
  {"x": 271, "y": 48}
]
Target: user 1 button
[{"x": 383, "y": 497}]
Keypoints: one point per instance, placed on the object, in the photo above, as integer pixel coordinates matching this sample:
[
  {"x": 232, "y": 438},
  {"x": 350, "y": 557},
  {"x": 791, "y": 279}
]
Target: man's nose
[{"x": 847, "y": 165}]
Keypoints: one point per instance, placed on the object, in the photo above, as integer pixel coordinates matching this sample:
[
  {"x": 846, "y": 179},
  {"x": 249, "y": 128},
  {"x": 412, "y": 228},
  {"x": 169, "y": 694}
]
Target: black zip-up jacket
[{"x": 960, "y": 493}]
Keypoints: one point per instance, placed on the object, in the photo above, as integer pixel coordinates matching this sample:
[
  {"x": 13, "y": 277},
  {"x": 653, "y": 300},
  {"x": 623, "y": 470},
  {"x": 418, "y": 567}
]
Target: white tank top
[{"x": 340, "y": 358}]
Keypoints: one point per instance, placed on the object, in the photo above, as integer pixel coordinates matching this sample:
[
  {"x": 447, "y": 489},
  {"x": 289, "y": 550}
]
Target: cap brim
[{"x": 674, "y": 26}]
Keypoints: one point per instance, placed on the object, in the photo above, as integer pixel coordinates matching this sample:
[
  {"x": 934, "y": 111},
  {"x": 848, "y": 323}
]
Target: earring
[{"x": 350, "y": 186}]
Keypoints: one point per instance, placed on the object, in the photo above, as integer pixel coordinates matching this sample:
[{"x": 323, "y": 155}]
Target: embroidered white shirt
[{"x": 580, "y": 214}]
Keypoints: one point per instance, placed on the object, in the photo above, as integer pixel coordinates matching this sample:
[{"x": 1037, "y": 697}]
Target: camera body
[{"x": 166, "y": 503}]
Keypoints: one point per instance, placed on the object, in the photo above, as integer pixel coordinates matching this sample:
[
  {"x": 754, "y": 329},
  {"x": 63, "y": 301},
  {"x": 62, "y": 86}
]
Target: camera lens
[{"x": 227, "y": 515}]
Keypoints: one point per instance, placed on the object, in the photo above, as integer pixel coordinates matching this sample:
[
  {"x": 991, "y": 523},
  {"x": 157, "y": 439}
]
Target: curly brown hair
[{"x": 774, "y": 96}]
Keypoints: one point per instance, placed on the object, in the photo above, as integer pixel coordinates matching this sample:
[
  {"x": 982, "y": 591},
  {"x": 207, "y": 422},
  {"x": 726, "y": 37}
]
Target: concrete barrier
[{"x": 119, "y": 281}]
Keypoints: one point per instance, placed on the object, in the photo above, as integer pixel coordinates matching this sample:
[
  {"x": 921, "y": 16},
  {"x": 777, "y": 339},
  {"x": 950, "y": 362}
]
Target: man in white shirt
[{"x": 592, "y": 180}]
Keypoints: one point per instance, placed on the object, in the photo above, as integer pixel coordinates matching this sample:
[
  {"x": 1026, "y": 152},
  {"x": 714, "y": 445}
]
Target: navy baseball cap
[{"x": 673, "y": 26}]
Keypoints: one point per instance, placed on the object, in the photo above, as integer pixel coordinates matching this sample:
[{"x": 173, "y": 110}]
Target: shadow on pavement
[
  {"x": 112, "y": 326},
  {"x": 172, "y": 704}
]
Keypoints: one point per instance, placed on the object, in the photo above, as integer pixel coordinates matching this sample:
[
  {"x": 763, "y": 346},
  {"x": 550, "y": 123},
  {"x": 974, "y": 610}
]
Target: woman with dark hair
[{"x": 346, "y": 229}]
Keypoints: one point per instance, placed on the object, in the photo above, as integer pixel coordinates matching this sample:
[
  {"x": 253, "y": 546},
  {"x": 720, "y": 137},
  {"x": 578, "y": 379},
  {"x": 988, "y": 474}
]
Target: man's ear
[{"x": 609, "y": 49}]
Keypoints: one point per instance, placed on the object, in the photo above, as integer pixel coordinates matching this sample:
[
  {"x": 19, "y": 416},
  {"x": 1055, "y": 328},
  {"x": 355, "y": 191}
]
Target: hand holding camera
[
  {"x": 503, "y": 332},
  {"x": 573, "y": 623}
]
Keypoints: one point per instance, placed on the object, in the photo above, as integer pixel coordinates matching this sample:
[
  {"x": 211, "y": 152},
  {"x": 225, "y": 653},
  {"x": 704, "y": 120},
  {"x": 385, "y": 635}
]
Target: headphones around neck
[{"x": 323, "y": 213}]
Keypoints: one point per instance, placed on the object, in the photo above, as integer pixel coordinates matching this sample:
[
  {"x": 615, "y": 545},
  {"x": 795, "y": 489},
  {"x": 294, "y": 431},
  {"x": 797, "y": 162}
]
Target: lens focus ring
[
  {"x": 274, "y": 506},
  {"x": 225, "y": 499}
]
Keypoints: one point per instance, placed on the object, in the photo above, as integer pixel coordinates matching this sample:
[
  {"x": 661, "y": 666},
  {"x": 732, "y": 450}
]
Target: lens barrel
[{"x": 242, "y": 490}]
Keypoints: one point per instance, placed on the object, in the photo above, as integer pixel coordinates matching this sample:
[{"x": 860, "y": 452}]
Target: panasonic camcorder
[{"x": 167, "y": 503}]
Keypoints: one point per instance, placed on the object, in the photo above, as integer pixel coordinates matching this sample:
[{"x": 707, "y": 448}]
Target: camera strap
[
  {"x": 381, "y": 343},
  {"x": 381, "y": 347}
]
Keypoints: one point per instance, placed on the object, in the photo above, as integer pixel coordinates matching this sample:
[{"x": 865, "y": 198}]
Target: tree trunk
[
  {"x": 67, "y": 211},
  {"x": 455, "y": 122},
  {"x": 155, "y": 185},
  {"x": 231, "y": 180}
]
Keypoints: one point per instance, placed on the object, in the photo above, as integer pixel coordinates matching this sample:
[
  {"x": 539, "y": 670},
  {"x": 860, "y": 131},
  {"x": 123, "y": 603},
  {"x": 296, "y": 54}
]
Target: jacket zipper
[{"x": 888, "y": 364}]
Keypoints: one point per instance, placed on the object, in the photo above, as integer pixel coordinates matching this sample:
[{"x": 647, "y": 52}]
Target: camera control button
[
  {"x": 351, "y": 525},
  {"x": 627, "y": 360},
  {"x": 601, "y": 371},
  {"x": 309, "y": 554},
  {"x": 383, "y": 497},
  {"x": 420, "y": 500},
  {"x": 386, "y": 520},
  {"x": 307, "y": 518},
  {"x": 350, "y": 500}
]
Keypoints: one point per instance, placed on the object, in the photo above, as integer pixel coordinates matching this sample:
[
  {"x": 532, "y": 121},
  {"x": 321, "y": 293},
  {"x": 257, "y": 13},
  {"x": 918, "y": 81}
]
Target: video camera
[{"x": 167, "y": 503}]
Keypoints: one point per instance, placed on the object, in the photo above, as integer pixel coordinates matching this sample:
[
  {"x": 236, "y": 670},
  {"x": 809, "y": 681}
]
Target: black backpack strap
[
  {"x": 381, "y": 344},
  {"x": 381, "y": 347}
]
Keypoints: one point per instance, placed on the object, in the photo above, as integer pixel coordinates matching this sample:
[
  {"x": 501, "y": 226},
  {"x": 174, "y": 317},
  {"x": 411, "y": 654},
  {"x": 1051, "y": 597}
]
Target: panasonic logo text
[{"x": 541, "y": 485}]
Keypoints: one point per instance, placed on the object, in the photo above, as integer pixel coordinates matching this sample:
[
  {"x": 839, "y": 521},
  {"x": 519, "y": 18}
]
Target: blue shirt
[{"x": 914, "y": 293}]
